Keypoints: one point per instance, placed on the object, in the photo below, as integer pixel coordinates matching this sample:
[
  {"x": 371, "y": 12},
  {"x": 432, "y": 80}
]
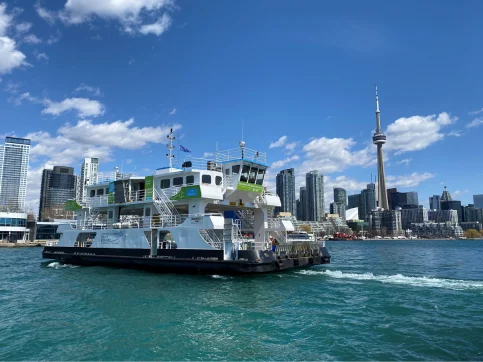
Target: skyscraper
[
  {"x": 446, "y": 196},
  {"x": 404, "y": 200},
  {"x": 58, "y": 186},
  {"x": 340, "y": 196},
  {"x": 435, "y": 202},
  {"x": 14, "y": 162},
  {"x": 89, "y": 170},
  {"x": 337, "y": 208},
  {"x": 302, "y": 211},
  {"x": 379, "y": 139},
  {"x": 285, "y": 186},
  {"x": 314, "y": 183},
  {"x": 453, "y": 205},
  {"x": 367, "y": 202},
  {"x": 478, "y": 201},
  {"x": 354, "y": 201}
]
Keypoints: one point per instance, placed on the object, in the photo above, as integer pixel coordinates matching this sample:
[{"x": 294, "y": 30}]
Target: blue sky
[{"x": 108, "y": 79}]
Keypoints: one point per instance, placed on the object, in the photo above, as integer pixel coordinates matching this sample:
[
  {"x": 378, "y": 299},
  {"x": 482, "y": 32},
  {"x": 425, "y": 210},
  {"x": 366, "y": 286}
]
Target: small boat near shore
[{"x": 188, "y": 219}]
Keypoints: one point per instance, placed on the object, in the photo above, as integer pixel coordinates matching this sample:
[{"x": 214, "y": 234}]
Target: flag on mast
[{"x": 183, "y": 149}]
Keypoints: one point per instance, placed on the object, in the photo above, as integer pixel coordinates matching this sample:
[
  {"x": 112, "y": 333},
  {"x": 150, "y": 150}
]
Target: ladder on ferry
[{"x": 168, "y": 213}]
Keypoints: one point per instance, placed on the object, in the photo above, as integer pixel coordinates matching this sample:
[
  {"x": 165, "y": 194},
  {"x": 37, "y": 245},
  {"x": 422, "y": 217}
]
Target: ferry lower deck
[{"x": 187, "y": 260}]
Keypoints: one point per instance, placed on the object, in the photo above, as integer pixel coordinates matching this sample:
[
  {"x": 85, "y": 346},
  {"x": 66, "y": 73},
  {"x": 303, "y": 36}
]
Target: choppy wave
[
  {"x": 424, "y": 281},
  {"x": 57, "y": 265},
  {"x": 216, "y": 276}
]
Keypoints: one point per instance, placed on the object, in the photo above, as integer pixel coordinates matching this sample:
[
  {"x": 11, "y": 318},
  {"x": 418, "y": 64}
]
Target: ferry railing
[
  {"x": 199, "y": 163},
  {"x": 210, "y": 236},
  {"x": 239, "y": 154},
  {"x": 304, "y": 249}
]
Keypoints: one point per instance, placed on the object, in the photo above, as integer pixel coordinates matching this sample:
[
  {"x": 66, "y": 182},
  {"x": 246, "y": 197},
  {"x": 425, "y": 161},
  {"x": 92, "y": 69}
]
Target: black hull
[{"x": 185, "y": 260}]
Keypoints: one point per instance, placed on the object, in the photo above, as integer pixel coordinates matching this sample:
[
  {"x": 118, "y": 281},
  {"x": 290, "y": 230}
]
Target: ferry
[{"x": 206, "y": 216}]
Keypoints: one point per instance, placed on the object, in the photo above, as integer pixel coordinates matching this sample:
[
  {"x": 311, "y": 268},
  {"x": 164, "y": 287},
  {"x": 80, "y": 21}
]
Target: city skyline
[{"x": 119, "y": 105}]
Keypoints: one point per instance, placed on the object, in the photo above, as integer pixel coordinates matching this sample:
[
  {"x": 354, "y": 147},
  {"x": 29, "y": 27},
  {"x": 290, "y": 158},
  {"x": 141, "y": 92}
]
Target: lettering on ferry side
[{"x": 111, "y": 237}]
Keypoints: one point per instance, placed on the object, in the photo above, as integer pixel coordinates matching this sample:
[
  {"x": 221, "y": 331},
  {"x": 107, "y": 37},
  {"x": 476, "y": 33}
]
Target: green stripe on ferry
[
  {"x": 187, "y": 192},
  {"x": 245, "y": 186}
]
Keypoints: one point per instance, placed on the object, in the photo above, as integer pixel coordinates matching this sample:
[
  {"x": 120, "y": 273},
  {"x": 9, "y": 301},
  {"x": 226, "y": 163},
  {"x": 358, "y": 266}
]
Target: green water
[{"x": 380, "y": 300}]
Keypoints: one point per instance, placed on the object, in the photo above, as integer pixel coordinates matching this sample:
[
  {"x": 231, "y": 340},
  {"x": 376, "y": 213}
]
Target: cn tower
[{"x": 379, "y": 139}]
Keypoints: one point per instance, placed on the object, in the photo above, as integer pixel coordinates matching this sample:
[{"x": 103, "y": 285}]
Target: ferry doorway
[{"x": 84, "y": 240}]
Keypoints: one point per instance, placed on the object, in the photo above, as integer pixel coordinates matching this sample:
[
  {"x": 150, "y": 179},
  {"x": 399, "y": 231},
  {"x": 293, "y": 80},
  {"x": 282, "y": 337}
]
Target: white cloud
[
  {"x": 411, "y": 180},
  {"x": 279, "y": 143},
  {"x": 208, "y": 154},
  {"x": 291, "y": 146},
  {"x": 417, "y": 132},
  {"x": 475, "y": 123},
  {"x": 42, "y": 56},
  {"x": 115, "y": 134},
  {"x": 32, "y": 39},
  {"x": 474, "y": 113},
  {"x": 12, "y": 87},
  {"x": 335, "y": 154},
  {"x": 53, "y": 38},
  {"x": 455, "y": 133},
  {"x": 10, "y": 57},
  {"x": 96, "y": 91},
  {"x": 157, "y": 28},
  {"x": 24, "y": 96},
  {"x": 85, "y": 107},
  {"x": 173, "y": 111},
  {"x": 406, "y": 161},
  {"x": 281, "y": 163},
  {"x": 5, "y": 19},
  {"x": 23, "y": 27},
  {"x": 48, "y": 16}
]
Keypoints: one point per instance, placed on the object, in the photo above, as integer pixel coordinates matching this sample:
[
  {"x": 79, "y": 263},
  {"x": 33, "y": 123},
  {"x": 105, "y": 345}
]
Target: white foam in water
[
  {"x": 402, "y": 279},
  {"x": 57, "y": 265},
  {"x": 216, "y": 276}
]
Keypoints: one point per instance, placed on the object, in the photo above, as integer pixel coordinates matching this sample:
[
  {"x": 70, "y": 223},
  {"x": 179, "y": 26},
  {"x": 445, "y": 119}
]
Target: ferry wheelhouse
[{"x": 209, "y": 215}]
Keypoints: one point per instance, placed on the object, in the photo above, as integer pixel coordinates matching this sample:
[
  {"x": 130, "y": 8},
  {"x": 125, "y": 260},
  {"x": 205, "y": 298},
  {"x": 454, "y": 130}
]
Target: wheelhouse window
[
  {"x": 190, "y": 180},
  {"x": 93, "y": 193},
  {"x": 206, "y": 179},
  {"x": 100, "y": 192},
  {"x": 227, "y": 171},
  {"x": 165, "y": 184},
  {"x": 260, "y": 175},
  {"x": 253, "y": 175},
  {"x": 218, "y": 180},
  {"x": 235, "y": 169},
  {"x": 244, "y": 173},
  {"x": 177, "y": 181}
]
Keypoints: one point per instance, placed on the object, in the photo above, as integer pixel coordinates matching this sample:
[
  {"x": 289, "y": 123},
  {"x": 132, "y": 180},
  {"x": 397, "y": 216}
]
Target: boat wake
[
  {"x": 454, "y": 284},
  {"x": 57, "y": 265}
]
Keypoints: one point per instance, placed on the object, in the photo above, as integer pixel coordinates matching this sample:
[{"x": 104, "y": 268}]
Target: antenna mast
[{"x": 170, "y": 155}]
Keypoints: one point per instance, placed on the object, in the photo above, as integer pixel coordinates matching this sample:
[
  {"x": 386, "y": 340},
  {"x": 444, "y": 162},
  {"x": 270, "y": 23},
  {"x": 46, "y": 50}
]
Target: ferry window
[
  {"x": 100, "y": 192},
  {"x": 206, "y": 179},
  {"x": 107, "y": 190},
  {"x": 218, "y": 180},
  {"x": 148, "y": 212},
  {"x": 111, "y": 214},
  {"x": 165, "y": 184},
  {"x": 253, "y": 175},
  {"x": 177, "y": 181},
  {"x": 235, "y": 169},
  {"x": 260, "y": 175},
  {"x": 227, "y": 171},
  {"x": 244, "y": 173},
  {"x": 190, "y": 180},
  {"x": 93, "y": 193}
]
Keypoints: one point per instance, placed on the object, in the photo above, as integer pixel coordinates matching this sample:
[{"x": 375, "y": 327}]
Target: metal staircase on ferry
[
  {"x": 247, "y": 219},
  {"x": 169, "y": 215},
  {"x": 209, "y": 235}
]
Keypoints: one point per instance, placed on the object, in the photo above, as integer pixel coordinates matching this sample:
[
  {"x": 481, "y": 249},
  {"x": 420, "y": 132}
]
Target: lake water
[{"x": 378, "y": 300}]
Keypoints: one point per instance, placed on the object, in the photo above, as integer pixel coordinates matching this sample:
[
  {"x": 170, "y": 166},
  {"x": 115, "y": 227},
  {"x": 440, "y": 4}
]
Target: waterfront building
[
  {"x": 14, "y": 162},
  {"x": 353, "y": 201},
  {"x": 434, "y": 230},
  {"x": 13, "y": 226},
  {"x": 415, "y": 215},
  {"x": 385, "y": 222},
  {"x": 379, "y": 139},
  {"x": 88, "y": 176},
  {"x": 302, "y": 210},
  {"x": 478, "y": 201},
  {"x": 404, "y": 200},
  {"x": 285, "y": 186},
  {"x": 58, "y": 185},
  {"x": 466, "y": 225},
  {"x": 367, "y": 202},
  {"x": 340, "y": 196},
  {"x": 435, "y": 202},
  {"x": 443, "y": 216},
  {"x": 314, "y": 183},
  {"x": 390, "y": 193},
  {"x": 453, "y": 205},
  {"x": 339, "y": 209},
  {"x": 472, "y": 214}
]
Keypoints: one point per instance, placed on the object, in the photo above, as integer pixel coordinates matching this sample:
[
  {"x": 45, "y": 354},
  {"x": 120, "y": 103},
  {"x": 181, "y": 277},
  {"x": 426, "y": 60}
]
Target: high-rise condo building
[
  {"x": 285, "y": 187},
  {"x": 478, "y": 201},
  {"x": 353, "y": 201},
  {"x": 340, "y": 196},
  {"x": 14, "y": 162},
  {"x": 336, "y": 208},
  {"x": 314, "y": 183},
  {"x": 453, "y": 205},
  {"x": 435, "y": 202},
  {"x": 58, "y": 186},
  {"x": 367, "y": 202},
  {"x": 302, "y": 209},
  {"x": 89, "y": 171}
]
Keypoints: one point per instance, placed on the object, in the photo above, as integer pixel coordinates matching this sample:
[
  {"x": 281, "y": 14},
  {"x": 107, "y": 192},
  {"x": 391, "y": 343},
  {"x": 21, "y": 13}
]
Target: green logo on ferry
[
  {"x": 244, "y": 186},
  {"x": 148, "y": 186},
  {"x": 187, "y": 192}
]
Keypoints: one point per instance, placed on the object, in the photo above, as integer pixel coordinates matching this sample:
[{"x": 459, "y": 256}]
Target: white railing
[
  {"x": 106, "y": 177},
  {"x": 166, "y": 208},
  {"x": 227, "y": 182},
  {"x": 238, "y": 153},
  {"x": 97, "y": 201},
  {"x": 199, "y": 163},
  {"x": 209, "y": 235}
]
